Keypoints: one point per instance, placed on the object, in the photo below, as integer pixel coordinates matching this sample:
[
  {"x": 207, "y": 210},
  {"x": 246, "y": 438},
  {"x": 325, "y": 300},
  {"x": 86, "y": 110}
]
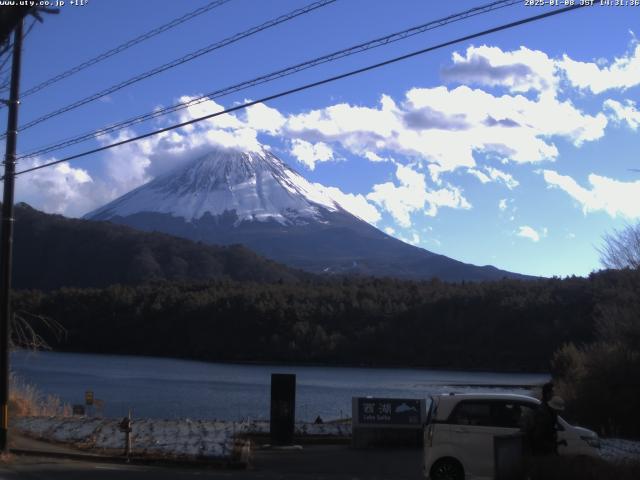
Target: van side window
[
  {"x": 493, "y": 413},
  {"x": 471, "y": 413},
  {"x": 512, "y": 415}
]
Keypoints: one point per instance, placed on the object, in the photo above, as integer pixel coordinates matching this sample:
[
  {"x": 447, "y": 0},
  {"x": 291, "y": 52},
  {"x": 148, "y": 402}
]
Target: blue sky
[{"x": 513, "y": 150}]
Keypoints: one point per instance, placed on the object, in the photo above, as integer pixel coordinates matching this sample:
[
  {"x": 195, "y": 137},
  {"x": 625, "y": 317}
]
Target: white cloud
[
  {"x": 59, "y": 189},
  {"x": 389, "y": 230},
  {"x": 309, "y": 154},
  {"x": 519, "y": 70},
  {"x": 506, "y": 178},
  {"x": 496, "y": 175},
  {"x": 526, "y": 231},
  {"x": 358, "y": 129},
  {"x": 622, "y": 73},
  {"x": 446, "y": 197},
  {"x": 624, "y": 113},
  {"x": 127, "y": 166},
  {"x": 507, "y": 209},
  {"x": 483, "y": 177},
  {"x": 412, "y": 195},
  {"x": 374, "y": 157},
  {"x": 606, "y": 194},
  {"x": 197, "y": 109},
  {"x": 71, "y": 191},
  {"x": 524, "y": 69},
  {"x": 438, "y": 130},
  {"x": 133, "y": 164},
  {"x": 445, "y": 129},
  {"x": 400, "y": 201},
  {"x": 264, "y": 118},
  {"x": 355, "y": 204},
  {"x": 242, "y": 139}
]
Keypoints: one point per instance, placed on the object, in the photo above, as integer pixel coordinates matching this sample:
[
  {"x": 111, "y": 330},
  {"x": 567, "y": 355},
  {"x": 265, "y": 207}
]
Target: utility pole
[{"x": 6, "y": 245}]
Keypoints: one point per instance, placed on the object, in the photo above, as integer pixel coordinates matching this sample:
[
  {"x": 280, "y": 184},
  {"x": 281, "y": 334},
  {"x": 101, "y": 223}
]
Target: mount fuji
[{"x": 255, "y": 199}]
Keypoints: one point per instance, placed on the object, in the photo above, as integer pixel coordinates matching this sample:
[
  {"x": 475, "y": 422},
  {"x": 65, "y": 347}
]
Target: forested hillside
[
  {"x": 52, "y": 251},
  {"x": 502, "y": 325}
]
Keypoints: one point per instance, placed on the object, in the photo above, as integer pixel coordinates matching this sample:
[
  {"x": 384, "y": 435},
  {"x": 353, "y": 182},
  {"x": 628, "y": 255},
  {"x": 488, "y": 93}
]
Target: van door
[
  {"x": 475, "y": 423},
  {"x": 471, "y": 434}
]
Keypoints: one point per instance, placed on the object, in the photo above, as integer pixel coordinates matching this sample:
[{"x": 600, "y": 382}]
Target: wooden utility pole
[{"x": 6, "y": 240}]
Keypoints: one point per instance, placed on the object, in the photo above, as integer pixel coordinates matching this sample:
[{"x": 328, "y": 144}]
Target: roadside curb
[
  {"x": 264, "y": 438},
  {"x": 167, "y": 462}
]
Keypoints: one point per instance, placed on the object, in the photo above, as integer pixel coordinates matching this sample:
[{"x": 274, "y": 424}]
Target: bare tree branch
[
  {"x": 621, "y": 248},
  {"x": 24, "y": 333}
]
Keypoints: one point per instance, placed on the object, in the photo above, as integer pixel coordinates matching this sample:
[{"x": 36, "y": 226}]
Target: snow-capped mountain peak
[
  {"x": 256, "y": 186},
  {"x": 254, "y": 199}
]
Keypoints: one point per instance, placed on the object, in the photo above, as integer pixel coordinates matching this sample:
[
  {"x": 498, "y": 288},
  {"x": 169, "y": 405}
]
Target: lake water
[{"x": 169, "y": 388}]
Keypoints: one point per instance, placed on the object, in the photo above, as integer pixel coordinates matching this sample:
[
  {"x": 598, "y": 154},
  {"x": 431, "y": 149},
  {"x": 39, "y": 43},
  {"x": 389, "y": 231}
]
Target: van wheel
[{"x": 447, "y": 469}]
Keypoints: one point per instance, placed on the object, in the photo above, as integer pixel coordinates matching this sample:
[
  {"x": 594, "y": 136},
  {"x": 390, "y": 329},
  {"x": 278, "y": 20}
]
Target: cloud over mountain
[{"x": 497, "y": 109}]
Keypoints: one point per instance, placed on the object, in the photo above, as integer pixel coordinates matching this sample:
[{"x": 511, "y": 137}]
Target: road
[{"x": 320, "y": 462}]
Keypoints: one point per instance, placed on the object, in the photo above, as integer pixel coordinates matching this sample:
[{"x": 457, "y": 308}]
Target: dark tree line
[{"x": 504, "y": 325}]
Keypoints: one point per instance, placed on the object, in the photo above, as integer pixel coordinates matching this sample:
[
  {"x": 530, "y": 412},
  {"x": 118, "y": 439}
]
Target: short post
[
  {"x": 88, "y": 401},
  {"x": 125, "y": 426}
]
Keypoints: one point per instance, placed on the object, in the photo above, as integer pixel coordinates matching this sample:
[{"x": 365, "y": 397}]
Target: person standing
[{"x": 544, "y": 437}]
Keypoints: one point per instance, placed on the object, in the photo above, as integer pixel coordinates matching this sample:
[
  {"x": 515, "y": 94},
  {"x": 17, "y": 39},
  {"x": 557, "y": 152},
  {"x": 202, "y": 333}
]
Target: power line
[
  {"x": 381, "y": 41},
  {"x": 5, "y": 49},
  {"x": 33, "y": 22},
  {"x": 310, "y": 85},
  {"x": 124, "y": 46},
  {"x": 191, "y": 56}
]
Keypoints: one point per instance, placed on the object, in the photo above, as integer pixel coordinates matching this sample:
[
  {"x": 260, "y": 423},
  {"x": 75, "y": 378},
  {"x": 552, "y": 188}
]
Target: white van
[{"x": 458, "y": 436}]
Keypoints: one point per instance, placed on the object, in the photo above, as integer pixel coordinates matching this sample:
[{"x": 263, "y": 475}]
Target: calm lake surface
[{"x": 169, "y": 388}]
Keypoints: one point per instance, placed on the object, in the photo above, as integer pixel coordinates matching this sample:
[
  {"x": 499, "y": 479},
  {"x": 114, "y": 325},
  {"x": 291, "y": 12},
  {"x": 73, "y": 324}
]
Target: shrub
[
  {"x": 599, "y": 382},
  {"x": 26, "y": 400}
]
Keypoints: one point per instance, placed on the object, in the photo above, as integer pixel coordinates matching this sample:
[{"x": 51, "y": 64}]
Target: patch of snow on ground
[
  {"x": 619, "y": 450},
  {"x": 207, "y": 438},
  {"x": 192, "y": 438},
  {"x": 158, "y": 437}
]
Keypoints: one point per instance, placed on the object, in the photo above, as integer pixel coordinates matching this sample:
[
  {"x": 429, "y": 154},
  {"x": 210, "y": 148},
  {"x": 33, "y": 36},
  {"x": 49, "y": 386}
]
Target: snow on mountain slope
[
  {"x": 255, "y": 185},
  {"x": 254, "y": 199}
]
